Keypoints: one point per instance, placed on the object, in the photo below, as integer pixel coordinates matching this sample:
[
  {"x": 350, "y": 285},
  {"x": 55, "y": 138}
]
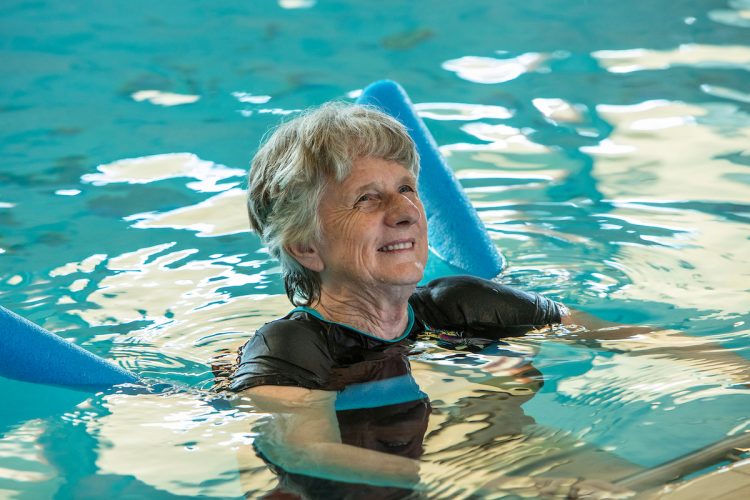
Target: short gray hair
[{"x": 295, "y": 163}]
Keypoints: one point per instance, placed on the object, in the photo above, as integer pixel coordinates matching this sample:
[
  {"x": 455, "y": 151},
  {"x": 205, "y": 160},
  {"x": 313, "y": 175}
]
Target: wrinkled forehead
[
  {"x": 371, "y": 169},
  {"x": 366, "y": 174}
]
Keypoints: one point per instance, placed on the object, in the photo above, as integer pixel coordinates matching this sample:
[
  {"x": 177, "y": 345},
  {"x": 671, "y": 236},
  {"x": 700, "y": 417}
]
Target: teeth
[{"x": 398, "y": 246}]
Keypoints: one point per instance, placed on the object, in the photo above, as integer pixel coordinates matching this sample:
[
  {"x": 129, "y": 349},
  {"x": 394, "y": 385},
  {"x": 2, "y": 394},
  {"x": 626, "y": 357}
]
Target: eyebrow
[{"x": 408, "y": 178}]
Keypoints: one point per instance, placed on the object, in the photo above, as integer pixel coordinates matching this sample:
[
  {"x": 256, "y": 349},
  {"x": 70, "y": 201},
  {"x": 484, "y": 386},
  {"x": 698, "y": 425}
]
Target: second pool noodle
[
  {"x": 32, "y": 355},
  {"x": 39, "y": 366}
]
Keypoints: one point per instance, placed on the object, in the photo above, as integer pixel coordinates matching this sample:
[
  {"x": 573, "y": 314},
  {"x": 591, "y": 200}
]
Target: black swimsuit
[{"x": 305, "y": 350}]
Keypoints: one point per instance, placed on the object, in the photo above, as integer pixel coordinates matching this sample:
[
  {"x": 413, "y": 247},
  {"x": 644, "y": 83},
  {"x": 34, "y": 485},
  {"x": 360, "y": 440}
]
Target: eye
[
  {"x": 365, "y": 198},
  {"x": 406, "y": 188}
]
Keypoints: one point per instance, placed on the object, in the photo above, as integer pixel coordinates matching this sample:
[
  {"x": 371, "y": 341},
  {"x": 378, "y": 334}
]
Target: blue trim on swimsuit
[
  {"x": 409, "y": 325},
  {"x": 377, "y": 393}
]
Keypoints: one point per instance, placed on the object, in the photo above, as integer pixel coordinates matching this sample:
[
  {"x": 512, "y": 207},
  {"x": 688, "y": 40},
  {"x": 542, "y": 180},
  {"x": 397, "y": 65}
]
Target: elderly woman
[{"x": 333, "y": 195}]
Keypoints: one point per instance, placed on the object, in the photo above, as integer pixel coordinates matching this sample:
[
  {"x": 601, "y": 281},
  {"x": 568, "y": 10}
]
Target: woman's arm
[
  {"x": 304, "y": 438},
  {"x": 482, "y": 307}
]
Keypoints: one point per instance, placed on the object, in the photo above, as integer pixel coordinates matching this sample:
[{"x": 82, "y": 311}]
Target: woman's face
[{"x": 374, "y": 227}]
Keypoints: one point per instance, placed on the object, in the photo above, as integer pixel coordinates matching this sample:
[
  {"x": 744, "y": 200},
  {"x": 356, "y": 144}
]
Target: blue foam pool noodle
[
  {"x": 30, "y": 353},
  {"x": 456, "y": 233}
]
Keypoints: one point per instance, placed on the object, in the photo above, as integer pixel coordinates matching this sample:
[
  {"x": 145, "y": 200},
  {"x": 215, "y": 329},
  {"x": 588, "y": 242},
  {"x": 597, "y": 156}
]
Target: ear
[{"x": 307, "y": 256}]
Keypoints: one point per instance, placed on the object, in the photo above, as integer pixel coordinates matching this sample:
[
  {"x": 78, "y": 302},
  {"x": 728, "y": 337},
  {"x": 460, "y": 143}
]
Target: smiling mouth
[{"x": 394, "y": 247}]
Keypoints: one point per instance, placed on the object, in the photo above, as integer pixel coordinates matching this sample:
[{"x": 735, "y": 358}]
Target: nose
[{"x": 402, "y": 211}]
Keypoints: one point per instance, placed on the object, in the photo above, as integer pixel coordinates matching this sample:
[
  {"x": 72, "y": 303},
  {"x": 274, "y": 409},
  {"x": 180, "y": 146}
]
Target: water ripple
[
  {"x": 491, "y": 70},
  {"x": 696, "y": 55},
  {"x": 738, "y": 16},
  {"x": 155, "y": 168}
]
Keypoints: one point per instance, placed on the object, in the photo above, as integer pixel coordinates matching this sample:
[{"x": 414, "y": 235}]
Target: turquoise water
[{"x": 605, "y": 145}]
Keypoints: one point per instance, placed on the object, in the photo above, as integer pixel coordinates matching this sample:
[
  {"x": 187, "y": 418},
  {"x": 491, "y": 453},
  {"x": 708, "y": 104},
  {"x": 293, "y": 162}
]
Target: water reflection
[
  {"x": 699, "y": 251},
  {"x": 559, "y": 111},
  {"x": 490, "y": 70},
  {"x": 696, "y": 55},
  {"x": 154, "y": 168},
  {"x": 460, "y": 111},
  {"x": 726, "y": 93},
  {"x": 738, "y": 16},
  {"x": 191, "y": 312},
  {"x": 161, "y": 98},
  {"x": 220, "y": 215},
  {"x": 22, "y": 462},
  {"x": 613, "y": 385},
  {"x": 187, "y": 429}
]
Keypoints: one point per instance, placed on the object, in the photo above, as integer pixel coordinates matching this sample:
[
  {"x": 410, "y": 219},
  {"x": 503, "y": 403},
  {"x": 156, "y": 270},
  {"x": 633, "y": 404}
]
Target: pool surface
[{"x": 606, "y": 146}]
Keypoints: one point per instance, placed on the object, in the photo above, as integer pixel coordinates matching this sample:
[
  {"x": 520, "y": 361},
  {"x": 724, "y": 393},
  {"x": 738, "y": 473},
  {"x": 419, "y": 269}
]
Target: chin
[{"x": 407, "y": 277}]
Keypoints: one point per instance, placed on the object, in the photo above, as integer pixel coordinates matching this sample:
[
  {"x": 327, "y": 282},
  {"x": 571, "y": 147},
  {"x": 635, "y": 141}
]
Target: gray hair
[{"x": 295, "y": 163}]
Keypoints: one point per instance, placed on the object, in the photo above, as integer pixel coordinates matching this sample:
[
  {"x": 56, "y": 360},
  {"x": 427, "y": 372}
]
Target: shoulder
[
  {"x": 292, "y": 351},
  {"x": 292, "y": 325},
  {"x": 469, "y": 290},
  {"x": 286, "y": 338},
  {"x": 449, "y": 289}
]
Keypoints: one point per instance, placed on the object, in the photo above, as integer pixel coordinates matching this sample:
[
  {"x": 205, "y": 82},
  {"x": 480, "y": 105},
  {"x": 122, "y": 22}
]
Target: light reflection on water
[
  {"x": 624, "y": 193},
  {"x": 489, "y": 70},
  {"x": 696, "y": 55},
  {"x": 187, "y": 431}
]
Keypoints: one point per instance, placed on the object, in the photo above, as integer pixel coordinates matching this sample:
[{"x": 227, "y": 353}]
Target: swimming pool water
[{"x": 605, "y": 145}]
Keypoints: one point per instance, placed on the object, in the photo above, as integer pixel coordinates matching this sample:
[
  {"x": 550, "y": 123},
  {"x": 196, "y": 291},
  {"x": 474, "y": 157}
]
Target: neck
[{"x": 383, "y": 315}]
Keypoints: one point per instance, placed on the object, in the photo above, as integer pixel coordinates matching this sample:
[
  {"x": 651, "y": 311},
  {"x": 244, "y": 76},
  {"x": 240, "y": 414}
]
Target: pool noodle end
[{"x": 30, "y": 353}]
